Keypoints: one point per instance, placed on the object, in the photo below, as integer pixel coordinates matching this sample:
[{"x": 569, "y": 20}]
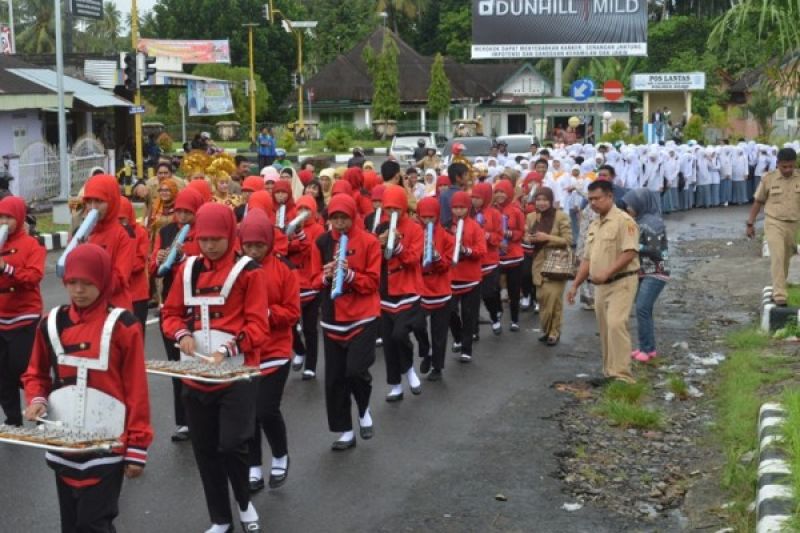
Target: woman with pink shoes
[{"x": 644, "y": 206}]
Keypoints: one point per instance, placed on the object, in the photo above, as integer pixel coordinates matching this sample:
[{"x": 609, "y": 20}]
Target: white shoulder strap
[
  {"x": 52, "y": 332},
  {"x": 233, "y": 275},
  {"x": 187, "y": 279},
  {"x": 105, "y": 337},
  {"x": 101, "y": 363}
]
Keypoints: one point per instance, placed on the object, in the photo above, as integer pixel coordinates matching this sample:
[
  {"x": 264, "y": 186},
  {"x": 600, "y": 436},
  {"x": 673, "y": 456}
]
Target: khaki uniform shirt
[
  {"x": 607, "y": 238},
  {"x": 780, "y": 196}
]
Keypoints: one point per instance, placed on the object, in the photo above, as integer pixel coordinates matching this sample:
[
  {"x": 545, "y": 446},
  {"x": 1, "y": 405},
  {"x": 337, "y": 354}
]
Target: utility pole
[
  {"x": 252, "y": 84},
  {"x": 137, "y": 98},
  {"x": 11, "y": 26},
  {"x": 66, "y": 182}
]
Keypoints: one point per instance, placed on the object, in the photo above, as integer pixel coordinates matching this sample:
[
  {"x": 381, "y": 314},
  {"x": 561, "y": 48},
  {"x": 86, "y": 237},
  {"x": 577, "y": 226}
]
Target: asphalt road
[{"x": 437, "y": 461}]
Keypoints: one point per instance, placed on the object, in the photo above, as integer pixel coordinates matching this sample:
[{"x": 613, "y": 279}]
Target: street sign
[
  {"x": 582, "y": 90},
  {"x": 613, "y": 90},
  {"x": 136, "y": 110},
  {"x": 90, "y": 9}
]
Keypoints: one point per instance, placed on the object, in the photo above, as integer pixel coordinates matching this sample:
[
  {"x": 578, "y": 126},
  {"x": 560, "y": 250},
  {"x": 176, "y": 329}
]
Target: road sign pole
[
  {"x": 63, "y": 161},
  {"x": 137, "y": 99},
  {"x": 182, "y": 102}
]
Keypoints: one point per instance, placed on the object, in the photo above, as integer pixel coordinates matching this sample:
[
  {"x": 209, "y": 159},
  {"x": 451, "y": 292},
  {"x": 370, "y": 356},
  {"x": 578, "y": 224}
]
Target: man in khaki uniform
[
  {"x": 611, "y": 261},
  {"x": 779, "y": 194}
]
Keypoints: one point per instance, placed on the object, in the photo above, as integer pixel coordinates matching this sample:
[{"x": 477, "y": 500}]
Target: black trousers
[
  {"x": 398, "y": 350},
  {"x": 308, "y": 345},
  {"x": 15, "y": 354},
  {"x": 221, "y": 424},
  {"x": 269, "y": 417},
  {"x": 140, "y": 312},
  {"x": 91, "y": 509},
  {"x": 420, "y": 330},
  {"x": 526, "y": 285},
  {"x": 513, "y": 280},
  {"x": 174, "y": 354},
  {"x": 347, "y": 374},
  {"x": 490, "y": 293},
  {"x": 439, "y": 318},
  {"x": 463, "y": 324}
]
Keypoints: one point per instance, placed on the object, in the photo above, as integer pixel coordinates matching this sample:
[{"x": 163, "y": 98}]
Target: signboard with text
[
  {"x": 681, "y": 81},
  {"x": 88, "y": 9},
  {"x": 189, "y": 52},
  {"x": 207, "y": 99},
  {"x": 558, "y": 28}
]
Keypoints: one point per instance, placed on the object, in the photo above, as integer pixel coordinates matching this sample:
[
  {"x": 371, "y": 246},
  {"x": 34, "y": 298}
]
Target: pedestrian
[
  {"x": 611, "y": 262},
  {"x": 653, "y": 270},
  {"x": 139, "y": 283},
  {"x": 350, "y": 321},
  {"x": 490, "y": 220},
  {"x": 266, "y": 148},
  {"x": 221, "y": 416},
  {"x": 257, "y": 236},
  {"x": 739, "y": 175},
  {"x": 548, "y": 228},
  {"x": 778, "y": 193},
  {"x": 88, "y": 485},
  {"x": 22, "y": 265},
  {"x": 457, "y": 175}
]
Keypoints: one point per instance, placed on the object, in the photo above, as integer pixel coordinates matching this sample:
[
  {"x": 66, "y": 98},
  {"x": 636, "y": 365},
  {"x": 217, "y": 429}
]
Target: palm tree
[
  {"x": 410, "y": 8},
  {"x": 762, "y": 105},
  {"x": 38, "y": 27},
  {"x": 777, "y": 20},
  {"x": 107, "y": 28}
]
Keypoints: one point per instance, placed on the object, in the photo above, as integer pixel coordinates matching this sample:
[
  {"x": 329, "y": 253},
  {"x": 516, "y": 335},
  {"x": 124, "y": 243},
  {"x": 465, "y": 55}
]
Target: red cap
[
  {"x": 428, "y": 207},
  {"x": 215, "y": 221},
  {"x": 341, "y": 187},
  {"x": 305, "y": 176},
  {"x": 126, "y": 210},
  {"x": 355, "y": 177},
  {"x": 442, "y": 181},
  {"x": 395, "y": 197},
  {"x": 377, "y": 193},
  {"x": 505, "y": 186},
  {"x": 257, "y": 228},
  {"x": 89, "y": 262},
  {"x": 189, "y": 200},
  {"x": 14, "y": 207},
  {"x": 484, "y": 192},
  {"x": 261, "y": 200},
  {"x": 203, "y": 188},
  {"x": 308, "y": 202},
  {"x": 106, "y": 189}
]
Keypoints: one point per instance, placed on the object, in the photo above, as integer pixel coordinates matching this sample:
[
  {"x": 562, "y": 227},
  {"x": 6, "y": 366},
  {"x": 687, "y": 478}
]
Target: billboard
[
  {"x": 189, "y": 52},
  {"x": 209, "y": 98},
  {"x": 668, "y": 81},
  {"x": 558, "y": 28},
  {"x": 6, "y": 40}
]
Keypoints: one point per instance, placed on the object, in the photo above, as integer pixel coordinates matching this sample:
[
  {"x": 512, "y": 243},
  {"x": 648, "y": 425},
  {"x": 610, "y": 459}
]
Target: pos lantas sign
[{"x": 558, "y": 28}]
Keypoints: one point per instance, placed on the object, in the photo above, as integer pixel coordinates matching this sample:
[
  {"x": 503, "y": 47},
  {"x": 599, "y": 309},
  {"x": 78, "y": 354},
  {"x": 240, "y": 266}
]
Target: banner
[
  {"x": 190, "y": 52},
  {"x": 209, "y": 98},
  {"x": 558, "y": 28},
  {"x": 678, "y": 81},
  {"x": 6, "y": 40}
]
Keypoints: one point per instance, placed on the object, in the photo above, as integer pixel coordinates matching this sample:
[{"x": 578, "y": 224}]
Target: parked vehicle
[
  {"x": 518, "y": 145},
  {"x": 478, "y": 146},
  {"x": 404, "y": 144}
]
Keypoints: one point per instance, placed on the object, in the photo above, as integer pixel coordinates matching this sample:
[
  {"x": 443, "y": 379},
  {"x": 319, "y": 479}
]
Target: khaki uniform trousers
[
  {"x": 780, "y": 237},
  {"x": 550, "y": 296},
  {"x": 612, "y": 307}
]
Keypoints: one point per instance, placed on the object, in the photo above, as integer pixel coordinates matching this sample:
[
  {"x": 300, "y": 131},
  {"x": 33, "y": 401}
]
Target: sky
[{"x": 125, "y": 5}]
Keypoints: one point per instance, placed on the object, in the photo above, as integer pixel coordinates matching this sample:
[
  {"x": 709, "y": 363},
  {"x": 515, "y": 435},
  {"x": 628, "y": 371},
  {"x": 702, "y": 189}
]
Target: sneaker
[
  {"x": 497, "y": 328},
  {"x": 181, "y": 434},
  {"x": 643, "y": 357},
  {"x": 465, "y": 358},
  {"x": 536, "y": 307},
  {"x": 297, "y": 362},
  {"x": 514, "y": 327},
  {"x": 525, "y": 303},
  {"x": 379, "y": 342},
  {"x": 456, "y": 347},
  {"x": 309, "y": 374}
]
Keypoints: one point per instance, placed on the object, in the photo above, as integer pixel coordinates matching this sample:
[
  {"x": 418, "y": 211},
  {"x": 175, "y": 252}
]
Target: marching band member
[
  {"x": 401, "y": 280},
  {"x": 256, "y": 234},
  {"x": 466, "y": 276},
  {"x": 489, "y": 219},
  {"x": 307, "y": 348},
  {"x": 102, "y": 193},
  {"x": 435, "y": 290},
  {"x": 22, "y": 263},
  {"x": 349, "y": 322},
  {"x": 221, "y": 417},
  {"x": 88, "y": 486},
  {"x": 284, "y": 203},
  {"x": 186, "y": 205},
  {"x": 511, "y": 256},
  {"x": 139, "y": 283},
  {"x": 250, "y": 185},
  {"x": 377, "y": 206}
]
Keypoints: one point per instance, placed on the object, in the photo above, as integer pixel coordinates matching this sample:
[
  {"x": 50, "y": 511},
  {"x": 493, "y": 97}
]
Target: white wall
[{"x": 25, "y": 124}]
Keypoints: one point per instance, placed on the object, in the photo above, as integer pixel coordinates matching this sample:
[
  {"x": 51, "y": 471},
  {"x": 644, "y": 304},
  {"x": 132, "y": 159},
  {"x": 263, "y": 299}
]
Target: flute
[
  {"x": 338, "y": 282},
  {"x": 390, "y": 242},
  {"x": 81, "y": 235},
  {"x": 504, "y": 244},
  {"x": 427, "y": 257},
  {"x": 281, "y": 216},
  {"x": 297, "y": 221},
  {"x": 3, "y": 235},
  {"x": 459, "y": 238},
  {"x": 172, "y": 256},
  {"x": 377, "y": 220}
]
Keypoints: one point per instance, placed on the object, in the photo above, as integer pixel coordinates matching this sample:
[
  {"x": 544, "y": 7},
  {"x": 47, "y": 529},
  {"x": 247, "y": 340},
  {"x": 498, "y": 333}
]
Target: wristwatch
[{"x": 749, "y": 223}]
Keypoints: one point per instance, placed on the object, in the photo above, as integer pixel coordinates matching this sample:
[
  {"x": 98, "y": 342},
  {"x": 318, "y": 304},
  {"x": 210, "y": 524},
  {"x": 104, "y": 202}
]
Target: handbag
[{"x": 559, "y": 264}]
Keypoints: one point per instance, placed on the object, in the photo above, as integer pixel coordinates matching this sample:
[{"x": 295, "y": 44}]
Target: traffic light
[
  {"x": 129, "y": 71},
  {"x": 267, "y": 12},
  {"x": 144, "y": 66},
  {"x": 294, "y": 80}
]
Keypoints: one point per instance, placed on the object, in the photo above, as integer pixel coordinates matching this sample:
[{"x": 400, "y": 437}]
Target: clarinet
[
  {"x": 172, "y": 256},
  {"x": 3, "y": 235},
  {"x": 281, "y": 216},
  {"x": 390, "y": 242},
  {"x": 377, "y": 220},
  {"x": 81, "y": 235},
  {"x": 338, "y": 282},
  {"x": 505, "y": 239},
  {"x": 427, "y": 257},
  {"x": 459, "y": 238},
  {"x": 297, "y": 221}
]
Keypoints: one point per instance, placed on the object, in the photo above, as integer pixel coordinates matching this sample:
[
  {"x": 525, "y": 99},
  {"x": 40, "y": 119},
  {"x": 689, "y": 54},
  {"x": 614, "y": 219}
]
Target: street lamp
[
  {"x": 252, "y": 85},
  {"x": 606, "y": 121}
]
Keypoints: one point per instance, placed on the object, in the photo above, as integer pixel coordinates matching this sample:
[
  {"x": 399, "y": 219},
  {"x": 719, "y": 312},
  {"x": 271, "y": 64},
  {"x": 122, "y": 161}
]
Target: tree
[
  {"x": 37, "y": 27},
  {"x": 439, "y": 91},
  {"x": 454, "y": 28},
  {"x": 395, "y": 8},
  {"x": 762, "y": 105},
  {"x": 345, "y": 23},
  {"x": 776, "y": 21},
  {"x": 385, "y": 74},
  {"x": 102, "y": 36}
]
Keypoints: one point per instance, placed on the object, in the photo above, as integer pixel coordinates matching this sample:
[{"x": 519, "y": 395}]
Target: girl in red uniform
[
  {"x": 532, "y": 182},
  {"x": 257, "y": 236},
  {"x": 221, "y": 417},
  {"x": 250, "y": 185},
  {"x": 21, "y": 271},
  {"x": 139, "y": 284},
  {"x": 89, "y": 485},
  {"x": 490, "y": 220},
  {"x": 466, "y": 276},
  {"x": 350, "y": 322},
  {"x": 283, "y": 201},
  {"x": 306, "y": 349},
  {"x": 187, "y": 203},
  {"x": 401, "y": 279},
  {"x": 102, "y": 193},
  {"x": 511, "y": 256},
  {"x": 435, "y": 290}
]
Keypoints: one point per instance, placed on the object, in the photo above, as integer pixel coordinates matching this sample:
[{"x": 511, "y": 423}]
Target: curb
[
  {"x": 773, "y": 317},
  {"x": 774, "y": 497},
  {"x": 53, "y": 241}
]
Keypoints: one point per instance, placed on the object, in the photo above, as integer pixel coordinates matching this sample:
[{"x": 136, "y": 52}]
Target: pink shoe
[
  {"x": 635, "y": 354},
  {"x": 644, "y": 357}
]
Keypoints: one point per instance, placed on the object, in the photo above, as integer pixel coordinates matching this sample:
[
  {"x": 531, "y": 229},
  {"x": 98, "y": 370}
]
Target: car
[
  {"x": 404, "y": 144},
  {"x": 478, "y": 146},
  {"x": 518, "y": 145}
]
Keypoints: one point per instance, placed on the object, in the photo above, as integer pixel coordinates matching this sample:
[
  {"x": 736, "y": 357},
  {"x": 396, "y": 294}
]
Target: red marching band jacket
[
  {"x": 300, "y": 249},
  {"x": 435, "y": 289},
  {"x": 20, "y": 297},
  {"x": 139, "y": 284},
  {"x": 515, "y": 224},
  {"x": 467, "y": 274},
  {"x": 490, "y": 220}
]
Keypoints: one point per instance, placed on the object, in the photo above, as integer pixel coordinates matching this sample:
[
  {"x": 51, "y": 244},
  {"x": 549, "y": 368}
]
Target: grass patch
[
  {"x": 793, "y": 296},
  {"x": 747, "y": 339},
  {"x": 678, "y": 386},
  {"x": 45, "y": 224},
  {"x": 791, "y": 443},
  {"x": 630, "y": 393},
  {"x": 627, "y": 415}
]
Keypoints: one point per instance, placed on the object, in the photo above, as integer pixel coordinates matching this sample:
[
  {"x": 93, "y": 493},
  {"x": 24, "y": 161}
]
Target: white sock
[
  {"x": 218, "y": 528},
  {"x": 413, "y": 379},
  {"x": 346, "y": 436},
  {"x": 255, "y": 472},
  {"x": 298, "y": 359},
  {"x": 249, "y": 514},
  {"x": 280, "y": 463},
  {"x": 366, "y": 420},
  {"x": 397, "y": 390}
]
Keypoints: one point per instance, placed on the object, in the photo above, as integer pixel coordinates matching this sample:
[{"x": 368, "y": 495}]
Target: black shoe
[
  {"x": 256, "y": 485},
  {"x": 435, "y": 375},
  {"x": 425, "y": 365},
  {"x": 476, "y": 337},
  {"x": 553, "y": 341},
  {"x": 456, "y": 347},
  {"x": 248, "y": 527},
  {"x": 366, "y": 432},
  {"x": 416, "y": 391},
  {"x": 599, "y": 382},
  {"x": 543, "y": 338},
  {"x": 341, "y": 445},
  {"x": 180, "y": 436},
  {"x": 391, "y": 398},
  {"x": 276, "y": 481},
  {"x": 309, "y": 375}
]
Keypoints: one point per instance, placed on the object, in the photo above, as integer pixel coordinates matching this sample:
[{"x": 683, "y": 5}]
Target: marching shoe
[
  {"x": 497, "y": 328},
  {"x": 366, "y": 432},
  {"x": 456, "y": 347},
  {"x": 256, "y": 484},
  {"x": 249, "y": 527},
  {"x": 341, "y": 445},
  {"x": 394, "y": 396},
  {"x": 536, "y": 307},
  {"x": 476, "y": 337},
  {"x": 181, "y": 434},
  {"x": 435, "y": 375},
  {"x": 309, "y": 374},
  {"x": 465, "y": 358},
  {"x": 525, "y": 303},
  {"x": 276, "y": 480},
  {"x": 425, "y": 365},
  {"x": 513, "y": 327},
  {"x": 413, "y": 382},
  {"x": 379, "y": 342},
  {"x": 297, "y": 362}
]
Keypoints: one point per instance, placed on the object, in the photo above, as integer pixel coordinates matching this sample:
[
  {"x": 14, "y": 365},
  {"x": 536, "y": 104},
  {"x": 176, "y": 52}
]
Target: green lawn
[
  {"x": 794, "y": 296},
  {"x": 311, "y": 148}
]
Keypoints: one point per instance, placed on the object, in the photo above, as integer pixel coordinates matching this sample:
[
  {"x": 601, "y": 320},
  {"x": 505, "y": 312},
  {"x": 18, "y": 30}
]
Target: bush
[
  {"x": 164, "y": 142},
  {"x": 338, "y": 140},
  {"x": 616, "y": 132},
  {"x": 287, "y": 141},
  {"x": 695, "y": 129}
]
